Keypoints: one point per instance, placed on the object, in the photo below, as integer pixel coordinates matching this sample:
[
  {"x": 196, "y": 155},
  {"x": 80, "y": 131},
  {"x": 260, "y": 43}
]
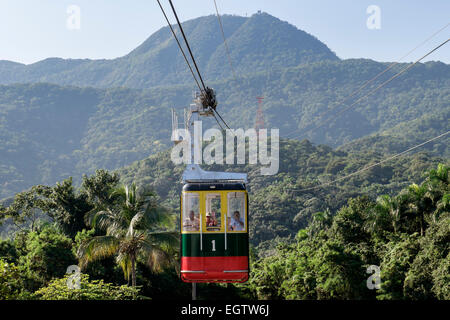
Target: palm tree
[
  {"x": 440, "y": 174},
  {"x": 419, "y": 200},
  {"x": 437, "y": 185},
  {"x": 136, "y": 228},
  {"x": 386, "y": 209},
  {"x": 442, "y": 205}
]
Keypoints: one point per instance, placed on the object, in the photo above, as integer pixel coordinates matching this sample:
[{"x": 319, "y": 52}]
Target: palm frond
[
  {"x": 124, "y": 262},
  {"x": 157, "y": 257},
  {"x": 97, "y": 248},
  {"x": 158, "y": 216},
  {"x": 170, "y": 238}
]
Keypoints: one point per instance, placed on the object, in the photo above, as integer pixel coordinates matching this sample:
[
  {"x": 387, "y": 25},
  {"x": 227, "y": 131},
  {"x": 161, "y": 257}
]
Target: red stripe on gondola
[{"x": 214, "y": 269}]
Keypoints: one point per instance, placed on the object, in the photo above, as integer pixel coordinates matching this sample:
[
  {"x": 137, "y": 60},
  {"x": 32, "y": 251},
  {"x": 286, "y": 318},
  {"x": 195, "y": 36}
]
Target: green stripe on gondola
[{"x": 237, "y": 245}]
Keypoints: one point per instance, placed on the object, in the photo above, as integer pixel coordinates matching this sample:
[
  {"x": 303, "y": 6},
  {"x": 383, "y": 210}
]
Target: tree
[
  {"x": 348, "y": 224},
  {"x": 418, "y": 203},
  {"x": 99, "y": 186},
  {"x": 63, "y": 203},
  {"x": 438, "y": 190},
  {"x": 58, "y": 289},
  {"x": 136, "y": 227},
  {"x": 7, "y": 251},
  {"x": 320, "y": 221},
  {"x": 387, "y": 208},
  {"x": 48, "y": 254},
  {"x": 66, "y": 206},
  {"x": 428, "y": 277},
  {"x": 440, "y": 175},
  {"x": 11, "y": 282},
  {"x": 443, "y": 205},
  {"x": 25, "y": 210}
]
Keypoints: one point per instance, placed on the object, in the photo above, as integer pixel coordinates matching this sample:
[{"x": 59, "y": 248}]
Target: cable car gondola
[
  {"x": 213, "y": 218},
  {"x": 214, "y": 231},
  {"x": 214, "y": 205}
]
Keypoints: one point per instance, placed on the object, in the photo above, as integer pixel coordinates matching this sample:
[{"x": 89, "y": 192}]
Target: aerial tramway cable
[
  {"x": 377, "y": 88},
  {"x": 225, "y": 42},
  {"x": 179, "y": 45},
  {"x": 378, "y": 75},
  {"x": 218, "y": 122},
  {"x": 391, "y": 157},
  {"x": 187, "y": 44},
  {"x": 389, "y": 67},
  {"x": 221, "y": 118},
  {"x": 205, "y": 91},
  {"x": 372, "y": 165}
]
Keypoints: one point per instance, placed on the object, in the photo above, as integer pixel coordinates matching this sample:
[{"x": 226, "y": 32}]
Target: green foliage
[
  {"x": 24, "y": 211},
  {"x": 55, "y": 131},
  {"x": 277, "y": 210},
  {"x": 67, "y": 207},
  {"x": 11, "y": 282},
  {"x": 45, "y": 252},
  {"x": 135, "y": 226},
  {"x": 62, "y": 203},
  {"x": 348, "y": 224},
  {"x": 8, "y": 251},
  {"x": 99, "y": 186},
  {"x": 329, "y": 258},
  {"x": 428, "y": 276},
  {"x": 58, "y": 289},
  {"x": 48, "y": 254},
  {"x": 397, "y": 260}
]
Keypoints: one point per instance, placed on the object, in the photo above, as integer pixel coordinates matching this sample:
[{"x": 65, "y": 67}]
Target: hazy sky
[{"x": 32, "y": 30}]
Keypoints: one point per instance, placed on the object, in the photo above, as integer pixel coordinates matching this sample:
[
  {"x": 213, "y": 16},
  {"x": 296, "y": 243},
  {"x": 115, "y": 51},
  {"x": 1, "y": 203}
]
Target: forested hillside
[
  {"x": 308, "y": 245},
  {"x": 406, "y": 134},
  {"x": 277, "y": 209},
  {"x": 406, "y": 237},
  {"x": 67, "y": 131},
  {"x": 119, "y": 110}
]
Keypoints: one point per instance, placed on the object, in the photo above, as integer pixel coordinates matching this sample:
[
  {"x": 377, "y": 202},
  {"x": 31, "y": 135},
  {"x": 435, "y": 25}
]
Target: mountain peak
[{"x": 257, "y": 43}]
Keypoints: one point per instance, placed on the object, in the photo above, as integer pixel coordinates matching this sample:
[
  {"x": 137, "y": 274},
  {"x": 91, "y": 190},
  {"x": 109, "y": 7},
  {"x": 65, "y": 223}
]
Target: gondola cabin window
[
  {"x": 213, "y": 217},
  {"x": 236, "y": 215},
  {"x": 191, "y": 212}
]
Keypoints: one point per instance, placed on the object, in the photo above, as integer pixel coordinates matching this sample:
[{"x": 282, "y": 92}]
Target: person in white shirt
[
  {"x": 237, "y": 224},
  {"x": 192, "y": 223}
]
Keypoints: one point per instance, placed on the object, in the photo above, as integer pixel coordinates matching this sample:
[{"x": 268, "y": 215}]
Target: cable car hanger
[{"x": 207, "y": 95}]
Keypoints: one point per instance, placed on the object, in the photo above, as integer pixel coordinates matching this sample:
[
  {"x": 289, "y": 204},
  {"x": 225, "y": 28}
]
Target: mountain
[
  {"x": 258, "y": 43},
  {"x": 50, "y": 131},
  {"x": 406, "y": 134},
  {"x": 277, "y": 207}
]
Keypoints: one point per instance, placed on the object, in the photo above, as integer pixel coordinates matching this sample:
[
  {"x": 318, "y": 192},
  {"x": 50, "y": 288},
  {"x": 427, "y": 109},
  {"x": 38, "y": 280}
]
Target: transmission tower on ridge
[{"x": 259, "y": 121}]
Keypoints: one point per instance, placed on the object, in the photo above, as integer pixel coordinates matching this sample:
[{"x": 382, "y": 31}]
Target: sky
[{"x": 32, "y": 30}]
